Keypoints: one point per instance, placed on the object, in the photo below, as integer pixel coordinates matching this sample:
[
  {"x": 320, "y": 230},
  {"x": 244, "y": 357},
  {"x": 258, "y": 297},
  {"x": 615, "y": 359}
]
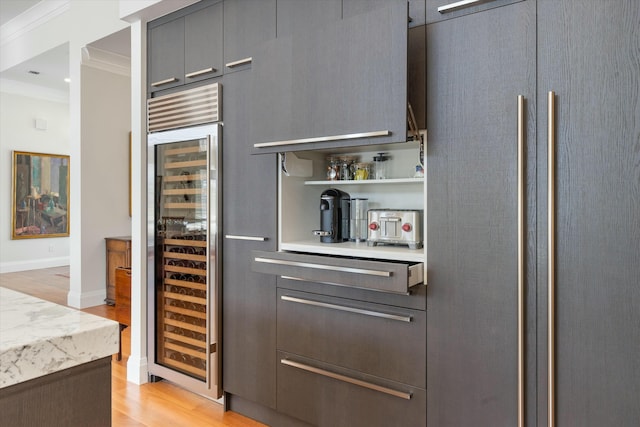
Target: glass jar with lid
[
  {"x": 363, "y": 171},
  {"x": 347, "y": 167},
  {"x": 380, "y": 166},
  {"x": 333, "y": 168}
]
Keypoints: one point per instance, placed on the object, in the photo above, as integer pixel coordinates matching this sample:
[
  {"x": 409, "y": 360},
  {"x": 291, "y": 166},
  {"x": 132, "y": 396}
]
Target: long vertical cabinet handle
[
  {"x": 521, "y": 329},
  {"x": 551, "y": 229}
]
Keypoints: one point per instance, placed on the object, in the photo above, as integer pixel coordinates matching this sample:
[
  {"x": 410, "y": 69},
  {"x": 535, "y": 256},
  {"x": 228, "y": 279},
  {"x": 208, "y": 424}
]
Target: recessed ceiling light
[
  {"x": 33, "y": 72},
  {"x": 67, "y": 79}
]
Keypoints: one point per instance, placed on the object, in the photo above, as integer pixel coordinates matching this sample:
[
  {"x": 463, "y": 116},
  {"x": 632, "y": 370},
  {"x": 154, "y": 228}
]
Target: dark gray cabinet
[
  {"x": 298, "y": 16},
  {"x": 366, "y": 337},
  {"x": 249, "y": 326},
  {"x": 478, "y": 64},
  {"x": 350, "y": 357},
  {"x": 249, "y": 223},
  {"x": 325, "y": 395},
  {"x": 185, "y": 46},
  {"x": 581, "y": 250},
  {"x": 344, "y": 83},
  {"x": 249, "y": 181},
  {"x": 247, "y": 23},
  {"x": 165, "y": 53},
  {"x": 588, "y": 56}
]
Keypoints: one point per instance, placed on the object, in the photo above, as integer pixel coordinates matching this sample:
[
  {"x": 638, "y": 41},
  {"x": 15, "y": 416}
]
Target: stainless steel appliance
[
  {"x": 398, "y": 227},
  {"x": 334, "y": 216},
  {"x": 184, "y": 245},
  {"x": 358, "y": 230}
]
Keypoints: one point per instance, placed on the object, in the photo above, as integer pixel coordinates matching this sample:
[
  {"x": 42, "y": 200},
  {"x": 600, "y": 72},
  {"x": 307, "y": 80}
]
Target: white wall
[
  {"x": 103, "y": 172},
  {"x": 18, "y": 132}
]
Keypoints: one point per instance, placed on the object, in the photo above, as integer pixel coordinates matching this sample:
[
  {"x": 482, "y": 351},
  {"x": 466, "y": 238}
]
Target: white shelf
[
  {"x": 353, "y": 249},
  {"x": 390, "y": 181}
]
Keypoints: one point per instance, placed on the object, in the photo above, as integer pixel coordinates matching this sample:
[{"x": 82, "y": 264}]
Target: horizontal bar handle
[
  {"x": 342, "y": 284},
  {"x": 164, "y": 82},
  {"x": 345, "y": 308},
  {"x": 324, "y": 267},
  {"x": 239, "y": 62},
  {"x": 252, "y": 238},
  {"x": 457, "y": 5},
  {"x": 200, "y": 72},
  {"x": 323, "y": 139},
  {"x": 346, "y": 379}
]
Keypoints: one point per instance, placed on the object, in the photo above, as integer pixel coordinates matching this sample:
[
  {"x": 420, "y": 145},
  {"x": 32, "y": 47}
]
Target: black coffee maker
[{"x": 334, "y": 216}]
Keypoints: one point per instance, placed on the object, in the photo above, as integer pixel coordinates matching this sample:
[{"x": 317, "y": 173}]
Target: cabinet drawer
[
  {"x": 377, "y": 275},
  {"x": 380, "y": 340},
  {"x": 325, "y": 395}
]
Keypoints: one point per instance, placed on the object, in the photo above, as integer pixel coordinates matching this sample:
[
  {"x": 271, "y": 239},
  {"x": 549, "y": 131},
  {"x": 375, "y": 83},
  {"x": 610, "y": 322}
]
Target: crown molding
[
  {"x": 106, "y": 61},
  {"x": 32, "y": 18},
  {"x": 33, "y": 91}
]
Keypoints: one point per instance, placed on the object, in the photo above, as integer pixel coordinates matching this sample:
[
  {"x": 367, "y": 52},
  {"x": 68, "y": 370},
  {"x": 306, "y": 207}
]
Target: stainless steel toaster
[{"x": 395, "y": 226}]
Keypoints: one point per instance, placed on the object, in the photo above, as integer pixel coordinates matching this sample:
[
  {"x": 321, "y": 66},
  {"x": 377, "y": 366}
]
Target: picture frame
[{"x": 40, "y": 195}]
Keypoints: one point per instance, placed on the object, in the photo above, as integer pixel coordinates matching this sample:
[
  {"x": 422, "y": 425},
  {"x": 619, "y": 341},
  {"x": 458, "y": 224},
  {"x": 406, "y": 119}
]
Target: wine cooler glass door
[{"x": 185, "y": 215}]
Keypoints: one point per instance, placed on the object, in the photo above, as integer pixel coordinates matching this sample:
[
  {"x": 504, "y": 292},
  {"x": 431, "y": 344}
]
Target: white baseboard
[
  {"x": 36, "y": 264},
  {"x": 137, "y": 370},
  {"x": 86, "y": 299}
]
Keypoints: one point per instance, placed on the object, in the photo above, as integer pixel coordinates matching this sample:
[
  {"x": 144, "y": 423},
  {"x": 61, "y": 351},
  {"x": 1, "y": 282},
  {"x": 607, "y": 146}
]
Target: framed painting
[{"x": 40, "y": 193}]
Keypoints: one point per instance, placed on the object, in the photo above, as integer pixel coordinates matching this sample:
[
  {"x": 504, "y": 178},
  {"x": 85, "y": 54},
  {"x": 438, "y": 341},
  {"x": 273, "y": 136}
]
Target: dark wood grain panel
[
  {"x": 249, "y": 325},
  {"x": 477, "y": 66},
  {"x": 354, "y": 335},
  {"x": 78, "y": 396},
  {"x": 589, "y": 55}
]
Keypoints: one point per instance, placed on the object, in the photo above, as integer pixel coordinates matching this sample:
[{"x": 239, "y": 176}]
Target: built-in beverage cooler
[{"x": 183, "y": 214}]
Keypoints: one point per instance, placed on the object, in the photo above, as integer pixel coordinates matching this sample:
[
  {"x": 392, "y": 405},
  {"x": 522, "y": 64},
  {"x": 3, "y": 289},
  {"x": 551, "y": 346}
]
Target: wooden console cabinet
[{"x": 118, "y": 255}]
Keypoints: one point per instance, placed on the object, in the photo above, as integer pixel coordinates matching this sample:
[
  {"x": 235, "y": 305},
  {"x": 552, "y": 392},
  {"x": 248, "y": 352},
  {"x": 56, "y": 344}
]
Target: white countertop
[{"x": 39, "y": 337}]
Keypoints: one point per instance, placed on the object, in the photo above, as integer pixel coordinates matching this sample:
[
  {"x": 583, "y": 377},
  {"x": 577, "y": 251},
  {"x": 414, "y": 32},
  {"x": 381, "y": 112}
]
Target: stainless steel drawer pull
[
  {"x": 348, "y": 309},
  {"x": 325, "y": 267},
  {"x": 346, "y": 379},
  {"x": 200, "y": 72},
  {"x": 323, "y": 139},
  {"x": 252, "y": 238},
  {"x": 457, "y": 5},
  {"x": 164, "y": 82},
  {"x": 239, "y": 62}
]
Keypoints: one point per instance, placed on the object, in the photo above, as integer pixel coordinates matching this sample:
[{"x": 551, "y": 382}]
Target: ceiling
[{"x": 53, "y": 65}]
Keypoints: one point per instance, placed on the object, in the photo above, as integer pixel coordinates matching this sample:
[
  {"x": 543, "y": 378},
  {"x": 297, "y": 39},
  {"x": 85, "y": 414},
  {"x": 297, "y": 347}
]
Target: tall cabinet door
[
  {"x": 589, "y": 55},
  {"x": 478, "y": 65},
  {"x": 249, "y": 223}
]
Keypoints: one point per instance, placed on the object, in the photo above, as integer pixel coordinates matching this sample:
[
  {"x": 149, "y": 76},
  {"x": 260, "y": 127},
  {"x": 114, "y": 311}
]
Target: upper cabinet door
[
  {"x": 354, "y": 7},
  {"x": 203, "y": 44},
  {"x": 297, "y": 16},
  {"x": 439, "y": 10},
  {"x": 247, "y": 23},
  {"x": 348, "y": 85},
  {"x": 166, "y": 55}
]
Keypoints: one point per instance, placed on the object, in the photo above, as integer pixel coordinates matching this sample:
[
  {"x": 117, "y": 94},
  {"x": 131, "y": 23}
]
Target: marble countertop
[{"x": 39, "y": 337}]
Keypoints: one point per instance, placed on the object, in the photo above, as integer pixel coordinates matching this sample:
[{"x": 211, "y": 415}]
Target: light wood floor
[{"x": 159, "y": 404}]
